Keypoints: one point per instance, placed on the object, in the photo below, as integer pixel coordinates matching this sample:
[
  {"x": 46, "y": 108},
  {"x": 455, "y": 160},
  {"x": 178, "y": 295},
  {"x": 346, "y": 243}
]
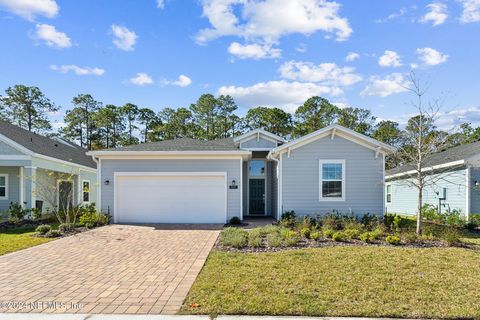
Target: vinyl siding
[
  {"x": 261, "y": 143},
  {"x": 13, "y": 186},
  {"x": 474, "y": 191},
  {"x": 363, "y": 178},
  {"x": 6, "y": 149},
  {"x": 405, "y": 196},
  {"x": 230, "y": 166},
  {"x": 274, "y": 188}
]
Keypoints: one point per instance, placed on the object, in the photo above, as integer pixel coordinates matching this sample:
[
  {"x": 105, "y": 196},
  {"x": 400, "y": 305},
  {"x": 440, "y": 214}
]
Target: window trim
[
  {"x": 89, "y": 191},
  {"x": 321, "y": 162},
  {"x": 6, "y": 186},
  {"x": 388, "y": 193}
]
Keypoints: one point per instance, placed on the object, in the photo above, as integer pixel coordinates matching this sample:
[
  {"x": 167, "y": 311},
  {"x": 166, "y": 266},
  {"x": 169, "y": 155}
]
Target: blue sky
[{"x": 273, "y": 52}]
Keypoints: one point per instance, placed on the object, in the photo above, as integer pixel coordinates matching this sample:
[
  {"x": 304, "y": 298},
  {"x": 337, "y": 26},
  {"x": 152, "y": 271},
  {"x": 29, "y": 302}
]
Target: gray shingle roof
[
  {"x": 46, "y": 146},
  {"x": 182, "y": 144},
  {"x": 460, "y": 152}
]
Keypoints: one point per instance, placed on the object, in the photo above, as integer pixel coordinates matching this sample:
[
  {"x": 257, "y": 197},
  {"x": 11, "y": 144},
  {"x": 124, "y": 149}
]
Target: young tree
[
  {"x": 314, "y": 114},
  {"x": 130, "y": 112},
  {"x": 148, "y": 119},
  {"x": 27, "y": 107},
  {"x": 274, "y": 120}
]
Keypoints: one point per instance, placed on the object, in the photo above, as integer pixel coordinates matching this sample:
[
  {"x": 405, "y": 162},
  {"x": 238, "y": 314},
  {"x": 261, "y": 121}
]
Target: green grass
[
  {"x": 340, "y": 281},
  {"x": 19, "y": 238}
]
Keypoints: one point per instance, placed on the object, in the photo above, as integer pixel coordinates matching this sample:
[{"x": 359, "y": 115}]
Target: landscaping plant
[{"x": 43, "y": 228}]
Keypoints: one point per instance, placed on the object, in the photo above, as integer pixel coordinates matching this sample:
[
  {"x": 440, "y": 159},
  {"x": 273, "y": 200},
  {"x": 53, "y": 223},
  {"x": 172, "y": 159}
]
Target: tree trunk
[{"x": 419, "y": 214}]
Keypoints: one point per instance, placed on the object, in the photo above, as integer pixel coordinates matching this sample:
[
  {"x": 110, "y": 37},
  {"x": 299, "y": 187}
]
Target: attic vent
[{"x": 62, "y": 142}]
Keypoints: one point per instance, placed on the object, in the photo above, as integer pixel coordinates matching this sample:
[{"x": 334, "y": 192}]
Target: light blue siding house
[
  {"x": 253, "y": 175},
  {"x": 36, "y": 171},
  {"x": 452, "y": 183}
]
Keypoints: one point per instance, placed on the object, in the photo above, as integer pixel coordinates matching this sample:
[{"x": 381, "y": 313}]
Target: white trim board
[
  {"x": 255, "y": 132},
  {"x": 5, "y": 175}
]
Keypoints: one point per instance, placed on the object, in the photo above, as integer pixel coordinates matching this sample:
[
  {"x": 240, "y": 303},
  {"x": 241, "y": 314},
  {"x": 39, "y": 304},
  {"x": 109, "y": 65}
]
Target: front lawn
[
  {"x": 15, "y": 239},
  {"x": 364, "y": 281}
]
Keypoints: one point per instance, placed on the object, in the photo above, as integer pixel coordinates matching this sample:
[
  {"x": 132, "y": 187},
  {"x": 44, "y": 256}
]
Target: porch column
[{"x": 29, "y": 177}]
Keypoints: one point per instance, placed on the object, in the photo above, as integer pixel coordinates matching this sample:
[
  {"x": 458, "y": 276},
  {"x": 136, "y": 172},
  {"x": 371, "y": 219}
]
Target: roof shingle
[{"x": 182, "y": 144}]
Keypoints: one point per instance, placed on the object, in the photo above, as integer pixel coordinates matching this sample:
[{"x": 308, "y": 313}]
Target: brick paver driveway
[{"x": 113, "y": 269}]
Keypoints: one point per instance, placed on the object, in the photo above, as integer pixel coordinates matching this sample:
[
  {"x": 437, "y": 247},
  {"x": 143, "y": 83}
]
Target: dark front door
[
  {"x": 65, "y": 195},
  {"x": 257, "y": 197}
]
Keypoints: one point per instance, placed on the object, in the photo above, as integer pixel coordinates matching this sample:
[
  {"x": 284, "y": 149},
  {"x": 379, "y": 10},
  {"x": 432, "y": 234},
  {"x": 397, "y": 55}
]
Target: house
[
  {"x": 255, "y": 174},
  {"x": 453, "y": 182},
  {"x": 44, "y": 173}
]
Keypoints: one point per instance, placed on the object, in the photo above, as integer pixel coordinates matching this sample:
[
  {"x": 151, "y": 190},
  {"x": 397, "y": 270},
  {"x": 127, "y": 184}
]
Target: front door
[
  {"x": 257, "y": 197},
  {"x": 65, "y": 195}
]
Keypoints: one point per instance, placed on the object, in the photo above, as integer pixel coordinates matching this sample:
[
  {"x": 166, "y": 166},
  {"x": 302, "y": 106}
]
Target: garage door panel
[{"x": 170, "y": 199}]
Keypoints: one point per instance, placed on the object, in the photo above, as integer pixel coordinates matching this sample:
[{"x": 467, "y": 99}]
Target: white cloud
[
  {"x": 431, "y": 57},
  {"x": 160, "y": 4},
  {"x": 182, "y": 81},
  {"x": 123, "y": 38},
  {"x": 269, "y": 20},
  {"x": 352, "y": 56},
  {"x": 471, "y": 11},
  {"x": 385, "y": 86},
  {"x": 29, "y": 9},
  {"x": 302, "y": 48},
  {"x": 52, "y": 37},
  {"x": 79, "y": 71},
  {"x": 325, "y": 73},
  {"x": 389, "y": 59},
  {"x": 437, "y": 14},
  {"x": 141, "y": 79},
  {"x": 454, "y": 118},
  {"x": 283, "y": 94},
  {"x": 253, "y": 51},
  {"x": 392, "y": 16}
]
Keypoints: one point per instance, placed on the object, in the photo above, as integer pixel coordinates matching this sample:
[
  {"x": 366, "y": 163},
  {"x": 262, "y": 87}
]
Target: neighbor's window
[
  {"x": 332, "y": 180},
  {"x": 3, "y": 186},
  {"x": 86, "y": 190},
  {"x": 256, "y": 168},
  {"x": 389, "y": 193}
]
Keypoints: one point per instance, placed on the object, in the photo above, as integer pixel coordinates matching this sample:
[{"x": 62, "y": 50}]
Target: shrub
[
  {"x": 430, "y": 213},
  {"x": 66, "y": 227},
  {"x": 473, "y": 222},
  {"x": 43, "y": 228},
  {"x": 286, "y": 233},
  {"x": 454, "y": 218},
  {"x": 305, "y": 232},
  {"x": 234, "y": 237},
  {"x": 392, "y": 239},
  {"x": 367, "y": 237},
  {"x": 89, "y": 225},
  {"x": 16, "y": 211},
  {"x": 254, "y": 238},
  {"x": 399, "y": 223},
  {"x": 288, "y": 219},
  {"x": 331, "y": 221},
  {"x": 377, "y": 233},
  {"x": 291, "y": 239},
  {"x": 307, "y": 222},
  {"x": 53, "y": 234},
  {"x": 352, "y": 233},
  {"x": 409, "y": 237},
  {"x": 339, "y": 236},
  {"x": 268, "y": 229},
  {"x": 93, "y": 218},
  {"x": 36, "y": 214},
  {"x": 451, "y": 236},
  {"x": 369, "y": 220},
  {"x": 315, "y": 235},
  {"x": 288, "y": 215},
  {"x": 327, "y": 232},
  {"x": 235, "y": 220},
  {"x": 274, "y": 239},
  {"x": 352, "y": 224}
]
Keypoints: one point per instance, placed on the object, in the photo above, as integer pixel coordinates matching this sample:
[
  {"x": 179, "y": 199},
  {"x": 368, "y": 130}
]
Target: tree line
[{"x": 95, "y": 125}]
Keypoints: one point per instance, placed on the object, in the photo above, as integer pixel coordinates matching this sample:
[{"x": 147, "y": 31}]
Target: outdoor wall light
[
  {"x": 234, "y": 183},
  {"x": 477, "y": 183},
  {"x": 107, "y": 182}
]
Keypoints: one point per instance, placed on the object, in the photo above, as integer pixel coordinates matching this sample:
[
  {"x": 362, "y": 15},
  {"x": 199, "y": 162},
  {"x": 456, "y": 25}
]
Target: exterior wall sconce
[
  {"x": 477, "y": 183},
  {"x": 233, "y": 184},
  {"x": 107, "y": 182}
]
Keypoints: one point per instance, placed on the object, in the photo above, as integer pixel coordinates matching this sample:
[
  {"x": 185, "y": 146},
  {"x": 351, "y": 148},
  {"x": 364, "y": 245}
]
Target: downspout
[
  {"x": 270, "y": 157},
  {"x": 99, "y": 184}
]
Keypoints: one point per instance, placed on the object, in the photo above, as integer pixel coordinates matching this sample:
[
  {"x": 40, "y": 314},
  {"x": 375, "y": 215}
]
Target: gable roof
[
  {"x": 450, "y": 157},
  {"x": 256, "y": 132},
  {"x": 36, "y": 144},
  {"x": 181, "y": 144},
  {"x": 333, "y": 130}
]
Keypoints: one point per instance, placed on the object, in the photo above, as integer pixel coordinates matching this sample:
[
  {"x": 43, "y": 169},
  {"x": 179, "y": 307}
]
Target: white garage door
[{"x": 170, "y": 197}]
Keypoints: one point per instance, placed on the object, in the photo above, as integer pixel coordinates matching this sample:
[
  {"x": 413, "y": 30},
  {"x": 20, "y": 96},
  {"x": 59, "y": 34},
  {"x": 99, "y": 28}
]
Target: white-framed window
[
  {"x": 3, "y": 186},
  {"x": 389, "y": 193},
  {"x": 332, "y": 180},
  {"x": 86, "y": 191}
]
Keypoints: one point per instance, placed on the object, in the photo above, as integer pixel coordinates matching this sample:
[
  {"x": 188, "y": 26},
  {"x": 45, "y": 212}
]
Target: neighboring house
[
  {"x": 255, "y": 174},
  {"x": 452, "y": 183},
  {"x": 37, "y": 171}
]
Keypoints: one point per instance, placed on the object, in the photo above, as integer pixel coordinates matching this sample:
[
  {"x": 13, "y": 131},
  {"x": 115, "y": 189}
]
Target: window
[
  {"x": 389, "y": 193},
  {"x": 3, "y": 186},
  {"x": 256, "y": 168},
  {"x": 332, "y": 180},
  {"x": 86, "y": 190}
]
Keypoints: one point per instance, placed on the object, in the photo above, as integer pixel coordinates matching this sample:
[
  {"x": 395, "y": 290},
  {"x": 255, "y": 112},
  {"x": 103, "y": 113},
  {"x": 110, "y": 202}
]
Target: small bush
[
  {"x": 268, "y": 229},
  {"x": 352, "y": 233},
  {"x": 234, "y": 237},
  {"x": 377, "y": 233},
  {"x": 286, "y": 233},
  {"x": 328, "y": 233},
  {"x": 430, "y": 213},
  {"x": 367, "y": 237},
  {"x": 16, "y": 211},
  {"x": 315, "y": 235},
  {"x": 235, "y": 221},
  {"x": 14, "y": 220},
  {"x": 392, "y": 239},
  {"x": 36, "y": 214},
  {"x": 399, "y": 223},
  {"x": 339, "y": 236},
  {"x": 89, "y": 225},
  {"x": 66, "y": 227},
  {"x": 274, "y": 239},
  {"x": 43, "y": 228},
  {"x": 53, "y": 234},
  {"x": 454, "y": 218},
  {"x": 289, "y": 215},
  {"x": 291, "y": 240},
  {"x": 331, "y": 221},
  {"x": 451, "y": 236},
  {"x": 409, "y": 237},
  {"x": 473, "y": 221},
  {"x": 369, "y": 220},
  {"x": 305, "y": 232},
  {"x": 254, "y": 239}
]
